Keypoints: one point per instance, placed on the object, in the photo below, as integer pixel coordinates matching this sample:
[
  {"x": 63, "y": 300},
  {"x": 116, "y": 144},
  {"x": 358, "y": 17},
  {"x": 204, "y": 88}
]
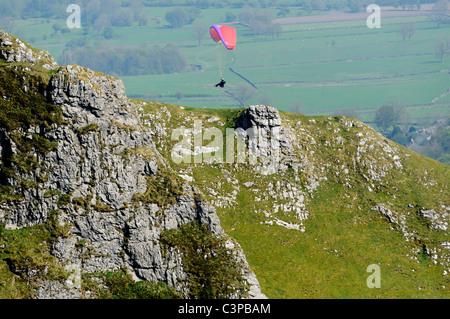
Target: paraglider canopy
[{"x": 225, "y": 34}]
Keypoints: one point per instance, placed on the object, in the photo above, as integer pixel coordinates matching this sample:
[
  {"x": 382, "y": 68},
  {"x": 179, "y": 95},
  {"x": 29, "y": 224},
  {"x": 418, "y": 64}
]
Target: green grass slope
[{"x": 361, "y": 200}]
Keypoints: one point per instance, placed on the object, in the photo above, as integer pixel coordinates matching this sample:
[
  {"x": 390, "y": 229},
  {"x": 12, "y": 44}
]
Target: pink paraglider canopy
[{"x": 225, "y": 34}]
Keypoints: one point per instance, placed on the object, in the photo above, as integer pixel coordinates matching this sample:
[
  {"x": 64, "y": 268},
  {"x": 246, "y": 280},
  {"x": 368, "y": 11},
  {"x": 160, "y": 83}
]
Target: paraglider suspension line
[{"x": 219, "y": 57}]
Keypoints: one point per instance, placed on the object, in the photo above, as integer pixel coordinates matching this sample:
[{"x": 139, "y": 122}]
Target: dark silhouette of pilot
[{"x": 221, "y": 83}]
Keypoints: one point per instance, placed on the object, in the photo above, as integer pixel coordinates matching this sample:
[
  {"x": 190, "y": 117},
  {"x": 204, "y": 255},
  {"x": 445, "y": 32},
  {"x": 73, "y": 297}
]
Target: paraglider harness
[{"x": 221, "y": 83}]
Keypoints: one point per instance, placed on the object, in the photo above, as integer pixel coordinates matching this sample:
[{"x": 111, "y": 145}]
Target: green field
[{"x": 314, "y": 68}]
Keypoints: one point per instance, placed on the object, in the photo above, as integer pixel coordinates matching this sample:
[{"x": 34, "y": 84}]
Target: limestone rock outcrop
[
  {"x": 103, "y": 160},
  {"x": 13, "y": 49},
  {"x": 269, "y": 143}
]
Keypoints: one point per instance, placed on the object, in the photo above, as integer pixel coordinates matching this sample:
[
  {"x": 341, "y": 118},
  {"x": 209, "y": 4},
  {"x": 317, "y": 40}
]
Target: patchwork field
[{"x": 314, "y": 66}]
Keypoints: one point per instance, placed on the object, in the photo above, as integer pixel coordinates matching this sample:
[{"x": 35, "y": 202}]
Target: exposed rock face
[
  {"x": 268, "y": 141},
  {"x": 103, "y": 159},
  {"x": 135, "y": 232},
  {"x": 76, "y": 87},
  {"x": 90, "y": 153},
  {"x": 437, "y": 220},
  {"x": 265, "y": 117},
  {"x": 13, "y": 49}
]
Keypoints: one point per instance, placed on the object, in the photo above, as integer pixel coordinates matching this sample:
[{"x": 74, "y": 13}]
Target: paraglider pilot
[{"x": 221, "y": 83}]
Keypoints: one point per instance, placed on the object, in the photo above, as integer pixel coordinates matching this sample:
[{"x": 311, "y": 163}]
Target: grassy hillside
[{"x": 325, "y": 251}]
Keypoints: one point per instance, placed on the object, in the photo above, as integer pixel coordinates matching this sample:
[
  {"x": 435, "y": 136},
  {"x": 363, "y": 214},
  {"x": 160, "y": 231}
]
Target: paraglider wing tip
[{"x": 225, "y": 34}]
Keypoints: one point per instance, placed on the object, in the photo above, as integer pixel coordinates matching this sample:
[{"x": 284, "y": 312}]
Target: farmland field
[{"x": 313, "y": 67}]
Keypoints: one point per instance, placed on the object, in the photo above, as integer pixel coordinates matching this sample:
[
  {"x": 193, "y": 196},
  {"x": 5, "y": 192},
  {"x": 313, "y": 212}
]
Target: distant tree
[
  {"x": 13, "y": 9},
  {"x": 125, "y": 61},
  {"x": 200, "y": 32},
  {"x": 192, "y": 14},
  {"x": 57, "y": 27},
  {"x": 203, "y": 4},
  {"x": 261, "y": 24},
  {"x": 179, "y": 95},
  {"x": 86, "y": 31},
  {"x": 172, "y": 60},
  {"x": 356, "y": 5},
  {"x": 400, "y": 138},
  {"x": 109, "y": 7},
  {"x": 436, "y": 145},
  {"x": 407, "y": 30},
  {"x": 137, "y": 9},
  {"x": 92, "y": 11},
  {"x": 243, "y": 93},
  {"x": 123, "y": 17},
  {"x": 442, "y": 137},
  {"x": 395, "y": 4},
  {"x": 440, "y": 12},
  {"x": 230, "y": 17},
  {"x": 396, "y": 130},
  {"x": 432, "y": 149},
  {"x": 177, "y": 17},
  {"x": 418, "y": 5},
  {"x": 102, "y": 22},
  {"x": 277, "y": 29},
  {"x": 403, "y": 115},
  {"x": 296, "y": 107},
  {"x": 444, "y": 159},
  {"x": 108, "y": 33},
  {"x": 247, "y": 15},
  {"x": 385, "y": 117},
  {"x": 307, "y": 5},
  {"x": 319, "y": 5},
  {"x": 142, "y": 19},
  {"x": 442, "y": 49},
  {"x": 283, "y": 12}
]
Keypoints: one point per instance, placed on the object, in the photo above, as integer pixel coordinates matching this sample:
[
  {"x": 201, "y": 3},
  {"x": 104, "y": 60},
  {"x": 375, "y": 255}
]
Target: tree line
[
  {"x": 123, "y": 11},
  {"x": 260, "y": 23},
  {"x": 437, "y": 145},
  {"x": 127, "y": 61}
]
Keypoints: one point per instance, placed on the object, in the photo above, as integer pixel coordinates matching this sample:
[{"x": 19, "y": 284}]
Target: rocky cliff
[
  {"x": 102, "y": 180},
  {"x": 317, "y": 200},
  {"x": 94, "y": 201}
]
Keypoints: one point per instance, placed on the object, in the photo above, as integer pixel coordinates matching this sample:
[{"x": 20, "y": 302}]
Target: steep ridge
[
  {"x": 100, "y": 192},
  {"x": 93, "y": 182},
  {"x": 316, "y": 200}
]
